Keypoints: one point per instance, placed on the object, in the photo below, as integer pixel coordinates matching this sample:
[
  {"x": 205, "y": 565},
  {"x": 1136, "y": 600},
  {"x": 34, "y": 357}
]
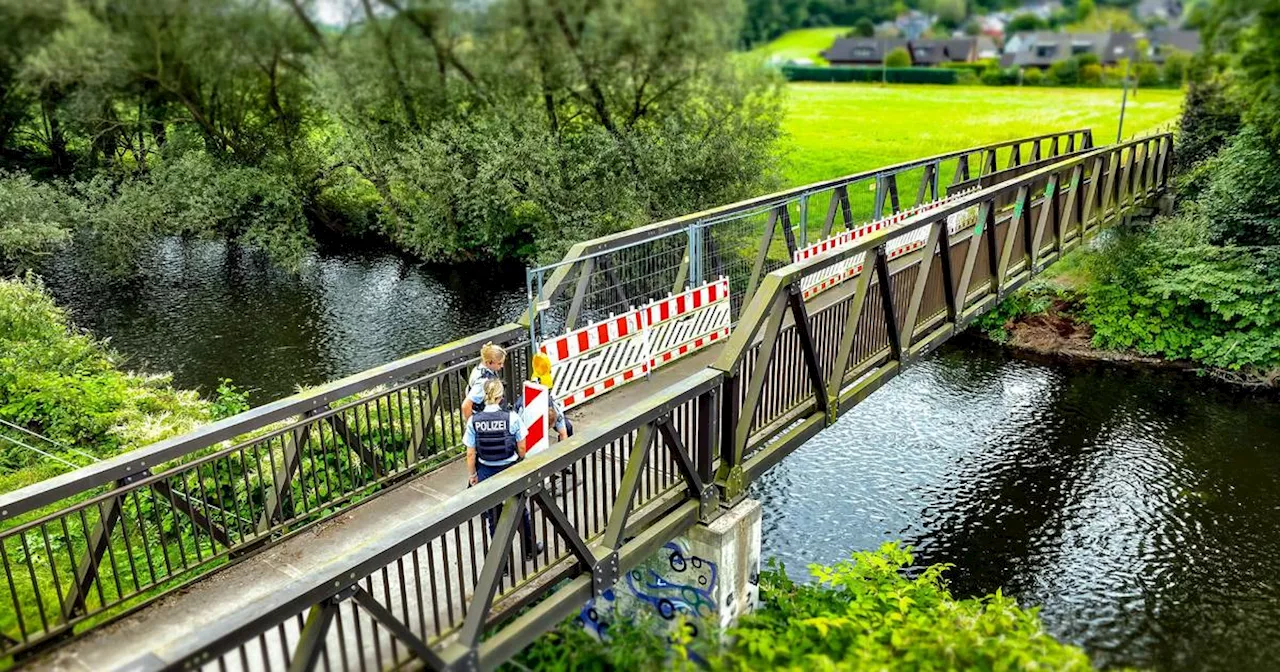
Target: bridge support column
[{"x": 705, "y": 579}]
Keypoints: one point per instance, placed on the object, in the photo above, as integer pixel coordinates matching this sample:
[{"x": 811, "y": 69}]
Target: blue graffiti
[{"x": 669, "y": 597}]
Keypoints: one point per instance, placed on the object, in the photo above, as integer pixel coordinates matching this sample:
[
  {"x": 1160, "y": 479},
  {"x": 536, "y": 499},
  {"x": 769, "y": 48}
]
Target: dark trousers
[{"x": 484, "y": 471}]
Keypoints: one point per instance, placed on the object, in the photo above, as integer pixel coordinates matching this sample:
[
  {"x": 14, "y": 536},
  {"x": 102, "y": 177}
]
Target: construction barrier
[
  {"x": 597, "y": 358},
  {"x": 534, "y": 418},
  {"x": 816, "y": 283}
]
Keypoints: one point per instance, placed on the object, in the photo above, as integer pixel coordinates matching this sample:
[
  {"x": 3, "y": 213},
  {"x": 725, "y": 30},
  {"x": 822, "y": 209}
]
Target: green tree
[
  {"x": 898, "y": 58},
  {"x": 1024, "y": 22},
  {"x": 1250, "y": 32},
  {"x": 864, "y": 27}
]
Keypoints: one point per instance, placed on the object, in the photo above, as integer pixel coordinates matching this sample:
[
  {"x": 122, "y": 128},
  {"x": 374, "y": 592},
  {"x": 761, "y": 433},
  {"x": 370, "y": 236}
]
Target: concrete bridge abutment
[{"x": 704, "y": 580}]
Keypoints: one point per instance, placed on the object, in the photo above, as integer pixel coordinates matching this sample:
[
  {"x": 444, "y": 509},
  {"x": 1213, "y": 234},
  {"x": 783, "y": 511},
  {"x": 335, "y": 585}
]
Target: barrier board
[
  {"x": 597, "y": 358},
  {"x": 534, "y": 418},
  {"x": 816, "y": 283}
]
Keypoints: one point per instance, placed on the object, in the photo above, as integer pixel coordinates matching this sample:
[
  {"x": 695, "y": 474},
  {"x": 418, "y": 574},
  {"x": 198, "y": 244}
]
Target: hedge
[
  {"x": 976, "y": 68},
  {"x": 847, "y": 74}
]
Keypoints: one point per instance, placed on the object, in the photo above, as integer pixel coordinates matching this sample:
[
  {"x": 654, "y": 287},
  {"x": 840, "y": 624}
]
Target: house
[
  {"x": 861, "y": 50},
  {"x": 993, "y": 25},
  {"x": 924, "y": 53},
  {"x": 987, "y": 48},
  {"x": 1165, "y": 39},
  {"x": 1042, "y": 49}
]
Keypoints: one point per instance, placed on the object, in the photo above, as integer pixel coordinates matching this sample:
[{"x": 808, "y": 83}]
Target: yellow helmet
[{"x": 541, "y": 370}]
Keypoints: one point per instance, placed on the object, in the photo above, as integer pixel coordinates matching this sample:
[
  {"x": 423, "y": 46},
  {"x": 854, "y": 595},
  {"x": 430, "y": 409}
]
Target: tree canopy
[{"x": 450, "y": 129}]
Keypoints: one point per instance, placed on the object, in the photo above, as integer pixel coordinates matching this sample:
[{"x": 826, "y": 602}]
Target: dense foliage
[
  {"x": 868, "y": 612},
  {"x": 450, "y": 129},
  {"x": 61, "y": 383}
]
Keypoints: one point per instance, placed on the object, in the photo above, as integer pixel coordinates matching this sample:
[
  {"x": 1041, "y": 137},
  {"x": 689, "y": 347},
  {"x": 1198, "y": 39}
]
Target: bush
[
  {"x": 861, "y": 614},
  {"x": 1000, "y": 77},
  {"x": 1147, "y": 74},
  {"x": 1065, "y": 73},
  {"x": 1091, "y": 75},
  {"x": 893, "y": 75},
  {"x": 63, "y": 384},
  {"x": 1167, "y": 291},
  {"x": 1209, "y": 120},
  {"x": 35, "y": 218},
  {"x": 864, "y": 614},
  {"x": 1033, "y": 77},
  {"x": 898, "y": 58},
  {"x": 1243, "y": 195}
]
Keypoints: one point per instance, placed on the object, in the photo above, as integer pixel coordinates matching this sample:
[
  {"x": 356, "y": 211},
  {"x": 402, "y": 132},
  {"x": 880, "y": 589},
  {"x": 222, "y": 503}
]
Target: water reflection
[
  {"x": 1138, "y": 508},
  {"x": 206, "y": 310}
]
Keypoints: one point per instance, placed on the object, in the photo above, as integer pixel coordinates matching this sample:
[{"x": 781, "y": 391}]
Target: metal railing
[
  {"x": 744, "y": 241},
  {"x": 435, "y": 592},
  {"x": 97, "y": 541}
]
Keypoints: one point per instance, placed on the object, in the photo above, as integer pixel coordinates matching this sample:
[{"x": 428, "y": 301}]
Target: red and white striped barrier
[
  {"x": 592, "y": 360},
  {"x": 816, "y": 283},
  {"x": 687, "y": 322},
  {"x": 534, "y": 418}
]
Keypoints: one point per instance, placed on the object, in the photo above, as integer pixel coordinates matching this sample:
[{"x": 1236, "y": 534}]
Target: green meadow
[{"x": 837, "y": 129}]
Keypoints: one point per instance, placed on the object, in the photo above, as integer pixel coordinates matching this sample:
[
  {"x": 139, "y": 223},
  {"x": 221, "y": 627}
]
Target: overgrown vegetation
[
  {"x": 868, "y": 612},
  {"x": 447, "y": 129},
  {"x": 63, "y": 384}
]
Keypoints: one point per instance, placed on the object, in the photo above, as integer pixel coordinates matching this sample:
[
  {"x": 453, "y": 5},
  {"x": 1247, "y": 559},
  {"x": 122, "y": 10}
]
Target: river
[{"x": 1141, "y": 509}]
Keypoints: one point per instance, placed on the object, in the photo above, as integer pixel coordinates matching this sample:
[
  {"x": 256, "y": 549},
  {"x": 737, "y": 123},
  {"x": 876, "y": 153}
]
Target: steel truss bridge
[{"x": 332, "y": 529}]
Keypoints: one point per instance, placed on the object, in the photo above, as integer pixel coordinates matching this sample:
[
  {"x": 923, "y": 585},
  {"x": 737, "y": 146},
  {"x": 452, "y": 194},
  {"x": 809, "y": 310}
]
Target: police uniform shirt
[
  {"x": 514, "y": 427},
  {"x": 475, "y": 384}
]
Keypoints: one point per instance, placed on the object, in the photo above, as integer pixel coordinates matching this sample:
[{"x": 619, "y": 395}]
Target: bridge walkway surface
[{"x": 334, "y": 530}]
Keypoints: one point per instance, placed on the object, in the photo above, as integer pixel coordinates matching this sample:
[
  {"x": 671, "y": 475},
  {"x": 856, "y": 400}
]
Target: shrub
[
  {"x": 1033, "y": 77},
  {"x": 1167, "y": 291},
  {"x": 999, "y": 77},
  {"x": 1209, "y": 120},
  {"x": 1065, "y": 73},
  {"x": 35, "y": 218},
  {"x": 1242, "y": 200},
  {"x": 863, "y": 613},
  {"x": 898, "y": 58},
  {"x": 1091, "y": 74},
  {"x": 977, "y": 67},
  {"x": 1147, "y": 74},
  {"x": 63, "y": 384},
  {"x": 860, "y": 614}
]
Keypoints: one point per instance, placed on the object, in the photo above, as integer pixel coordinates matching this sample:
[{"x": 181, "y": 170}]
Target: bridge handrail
[
  {"x": 136, "y": 462},
  {"x": 315, "y": 586},
  {"x": 596, "y": 246},
  {"x": 754, "y": 315}
]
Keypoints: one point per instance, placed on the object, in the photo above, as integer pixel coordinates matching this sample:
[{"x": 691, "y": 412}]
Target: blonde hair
[
  {"x": 493, "y": 391},
  {"x": 492, "y": 354}
]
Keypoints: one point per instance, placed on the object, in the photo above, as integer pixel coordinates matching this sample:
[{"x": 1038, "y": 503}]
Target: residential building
[
  {"x": 1164, "y": 39},
  {"x": 1169, "y": 11},
  {"x": 861, "y": 50},
  {"x": 1042, "y": 49},
  {"x": 924, "y": 52},
  {"x": 914, "y": 24}
]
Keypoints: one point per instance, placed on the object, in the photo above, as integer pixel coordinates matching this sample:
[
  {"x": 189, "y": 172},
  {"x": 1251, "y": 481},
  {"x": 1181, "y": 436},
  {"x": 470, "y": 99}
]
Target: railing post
[
  {"x": 804, "y": 220},
  {"x": 808, "y": 347}
]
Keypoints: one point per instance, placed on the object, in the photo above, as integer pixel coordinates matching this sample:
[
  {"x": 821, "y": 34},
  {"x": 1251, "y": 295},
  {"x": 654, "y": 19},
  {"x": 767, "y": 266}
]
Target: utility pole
[{"x": 1124, "y": 101}]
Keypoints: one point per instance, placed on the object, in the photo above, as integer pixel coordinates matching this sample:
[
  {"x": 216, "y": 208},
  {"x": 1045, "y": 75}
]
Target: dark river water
[{"x": 1140, "y": 509}]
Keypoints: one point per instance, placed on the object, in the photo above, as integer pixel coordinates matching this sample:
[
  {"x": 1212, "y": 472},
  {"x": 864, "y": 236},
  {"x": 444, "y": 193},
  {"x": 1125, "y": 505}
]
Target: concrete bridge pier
[{"x": 705, "y": 579}]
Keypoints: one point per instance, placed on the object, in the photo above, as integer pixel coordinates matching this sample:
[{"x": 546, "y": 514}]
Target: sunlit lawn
[
  {"x": 804, "y": 43},
  {"x": 837, "y": 129}
]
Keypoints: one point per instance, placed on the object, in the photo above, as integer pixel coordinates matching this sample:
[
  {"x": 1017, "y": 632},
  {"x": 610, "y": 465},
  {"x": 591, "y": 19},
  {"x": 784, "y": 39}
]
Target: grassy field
[
  {"x": 837, "y": 129},
  {"x": 803, "y": 43}
]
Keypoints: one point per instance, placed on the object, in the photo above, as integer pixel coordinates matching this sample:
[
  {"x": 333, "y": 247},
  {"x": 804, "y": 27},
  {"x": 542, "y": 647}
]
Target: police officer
[
  {"x": 495, "y": 440},
  {"x": 492, "y": 357}
]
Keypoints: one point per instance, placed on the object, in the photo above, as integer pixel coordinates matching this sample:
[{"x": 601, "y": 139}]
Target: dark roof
[
  {"x": 1042, "y": 49},
  {"x": 1185, "y": 40},
  {"x": 861, "y": 49},
  {"x": 923, "y": 52}
]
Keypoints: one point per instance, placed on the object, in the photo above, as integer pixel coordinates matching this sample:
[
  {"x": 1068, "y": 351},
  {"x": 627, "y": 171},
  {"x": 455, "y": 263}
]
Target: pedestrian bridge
[{"x": 333, "y": 529}]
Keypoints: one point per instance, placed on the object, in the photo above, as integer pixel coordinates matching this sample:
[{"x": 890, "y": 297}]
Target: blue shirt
[
  {"x": 513, "y": 426},
  {"x": 475, "y": 384}
]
